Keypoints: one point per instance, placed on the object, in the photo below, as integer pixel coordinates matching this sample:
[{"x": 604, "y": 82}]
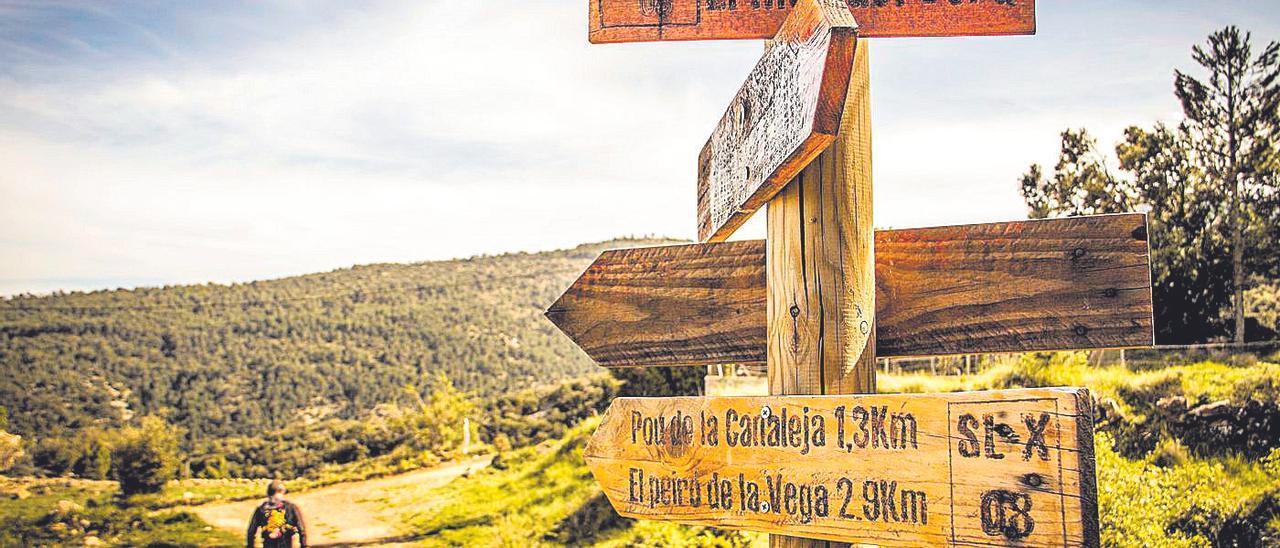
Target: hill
[{"x": 252, "y": 358}]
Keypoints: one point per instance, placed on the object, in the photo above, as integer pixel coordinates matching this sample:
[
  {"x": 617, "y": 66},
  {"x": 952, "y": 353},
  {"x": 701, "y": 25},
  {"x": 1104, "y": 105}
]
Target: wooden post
[{"x": 821, "y": 269}]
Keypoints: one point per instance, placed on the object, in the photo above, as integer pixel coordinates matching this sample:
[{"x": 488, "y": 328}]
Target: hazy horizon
[
  {"x": 147, "y": 145},
  {"x": 89, "y": 285}
]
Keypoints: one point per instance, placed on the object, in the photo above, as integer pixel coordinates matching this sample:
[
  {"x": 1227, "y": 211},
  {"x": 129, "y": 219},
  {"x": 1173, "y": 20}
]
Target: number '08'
[{"x": 1007, "y": 514}]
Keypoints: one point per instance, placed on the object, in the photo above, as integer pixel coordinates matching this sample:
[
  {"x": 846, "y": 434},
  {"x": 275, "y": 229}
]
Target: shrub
[
  {"x": 146, "y": 457},
  {"x": 10, "y": 450}
]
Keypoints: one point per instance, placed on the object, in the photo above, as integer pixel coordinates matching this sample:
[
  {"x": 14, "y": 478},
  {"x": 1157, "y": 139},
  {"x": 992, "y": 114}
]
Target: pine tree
[{"x": 1233, "y": 118}]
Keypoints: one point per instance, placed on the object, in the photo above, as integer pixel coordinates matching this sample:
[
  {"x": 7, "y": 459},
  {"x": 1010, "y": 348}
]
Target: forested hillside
[{"x": 246, "y": 359}]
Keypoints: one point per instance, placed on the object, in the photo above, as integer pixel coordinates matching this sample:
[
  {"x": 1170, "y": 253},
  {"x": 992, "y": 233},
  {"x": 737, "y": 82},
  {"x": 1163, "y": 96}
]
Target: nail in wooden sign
[
  {"x": 652, "y": 20},
  {"x": 1009, "y": 467},
  {"x": 1053, "y": 284},
  {"x": 786, "y": 113}
]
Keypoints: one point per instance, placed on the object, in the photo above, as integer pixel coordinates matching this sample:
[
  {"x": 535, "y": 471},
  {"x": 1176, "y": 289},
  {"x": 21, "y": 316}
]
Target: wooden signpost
[
  {"x": 892, "y": 470},
  {"x": 825, "y": 294}
]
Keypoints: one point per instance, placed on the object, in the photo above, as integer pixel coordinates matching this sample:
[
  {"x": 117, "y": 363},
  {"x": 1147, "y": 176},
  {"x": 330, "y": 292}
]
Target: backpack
[{"x": 276, "y": 521}]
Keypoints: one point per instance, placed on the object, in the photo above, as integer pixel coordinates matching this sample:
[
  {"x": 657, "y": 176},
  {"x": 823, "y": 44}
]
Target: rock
[
  {"x": 188, "y": 495},
  {"x": 84, "y": 523},
  {"x": 1213, "y": 410},
  {"x": 1174, "y": 404},
  {"x": 92, "y": 541},
  {"x": 1106, "y": 413},
  {"x": 207, "y": 528},
  {"x": 65, "y": 507},
  {"x": 20, "y": 493}
]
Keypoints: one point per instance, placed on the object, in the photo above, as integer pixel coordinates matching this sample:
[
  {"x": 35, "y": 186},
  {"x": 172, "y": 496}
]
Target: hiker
[{"x": 279, "y": 520}]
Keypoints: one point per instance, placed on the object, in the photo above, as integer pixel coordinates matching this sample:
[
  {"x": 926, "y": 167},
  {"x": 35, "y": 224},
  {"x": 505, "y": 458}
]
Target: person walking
[{"x": 278, "y": 519}]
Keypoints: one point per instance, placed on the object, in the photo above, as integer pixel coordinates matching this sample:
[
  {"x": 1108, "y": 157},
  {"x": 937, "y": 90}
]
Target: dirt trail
[{"x": 346, "y": 513}]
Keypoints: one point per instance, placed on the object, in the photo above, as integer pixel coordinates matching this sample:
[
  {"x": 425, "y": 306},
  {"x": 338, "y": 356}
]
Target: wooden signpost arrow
[
  {"x": 890, "y": 470},
  {"x": 824, "y": 295},
  {"x": 651, "y": 20},
  {"x": 1079, "y": 283},
  {"x": 785, "y": 114}
]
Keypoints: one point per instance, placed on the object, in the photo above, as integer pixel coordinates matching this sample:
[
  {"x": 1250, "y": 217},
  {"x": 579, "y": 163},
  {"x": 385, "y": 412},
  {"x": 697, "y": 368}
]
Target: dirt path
[{"x": 346, "y": 513}]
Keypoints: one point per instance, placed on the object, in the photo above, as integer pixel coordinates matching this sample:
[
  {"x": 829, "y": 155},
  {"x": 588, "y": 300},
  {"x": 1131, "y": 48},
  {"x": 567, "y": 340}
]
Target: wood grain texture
[
  {"x": 820, "y": 262},
  {"x": 1073, "y": 283},
  {"x": 783, "y": 116},
  {"x": 1009, "y": 467},
  {"x": 654, "y": 20},
  {"x": 1080, "y": 282}
]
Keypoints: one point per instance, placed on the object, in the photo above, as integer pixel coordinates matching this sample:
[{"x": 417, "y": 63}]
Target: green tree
[
  {"x": 95, "y": 458},
  {"x": 146, "y": 457},
  {"x": 1081, "y": 183},
  {"x": 1232, "y": 120},
  {"x": 437, "y": 425},
  {"x": 1201, "y": 229},
  {"x": 651, "y": 382},
  {"x": 10, "y": 450}
]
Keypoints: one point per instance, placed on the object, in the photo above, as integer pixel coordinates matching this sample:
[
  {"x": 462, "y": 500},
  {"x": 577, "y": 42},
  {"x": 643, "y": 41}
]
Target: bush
[
  {"x": 10, "y": 450},
  {"x": 146, "y": 457}
]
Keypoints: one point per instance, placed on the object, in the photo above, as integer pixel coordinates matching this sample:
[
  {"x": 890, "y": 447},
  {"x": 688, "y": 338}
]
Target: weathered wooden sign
[
  {"x": 1003, "y": 287},
  {"x": 650, "y": 20},
  {"x": 825, "y": 295},
  {"x": 1000, "y": 467},
  {"x": 785, "y": 114}
]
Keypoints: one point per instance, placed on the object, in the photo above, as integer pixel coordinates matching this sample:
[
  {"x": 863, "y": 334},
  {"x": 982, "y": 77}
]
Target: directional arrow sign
[
  {"x": 1054, "y": 284},
  {"x": 1011, "y": 467},
  {"x": 650, "y": 20},
  {"x": 786, "y": 113}
]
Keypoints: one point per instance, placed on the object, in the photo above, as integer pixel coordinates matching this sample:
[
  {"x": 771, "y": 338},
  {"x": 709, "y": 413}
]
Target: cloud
[{"x": 224, "y": 142}]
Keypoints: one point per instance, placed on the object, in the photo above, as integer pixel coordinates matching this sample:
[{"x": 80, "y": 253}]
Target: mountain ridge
[{"x": 243, "y": 358}]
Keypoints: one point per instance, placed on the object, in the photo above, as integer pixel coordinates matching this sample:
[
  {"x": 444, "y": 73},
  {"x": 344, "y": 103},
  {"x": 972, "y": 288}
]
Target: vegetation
[
  {"x": 282, "y": 376},
  {"x": 1211, "y": 186},
  {"x": 1187, "y": 455},
  {"x": 146, "y": 457},
  {"x": 544, "y": 495},
  {"x": 65, "y": 512},
  {"x": 533, "y": 416}
]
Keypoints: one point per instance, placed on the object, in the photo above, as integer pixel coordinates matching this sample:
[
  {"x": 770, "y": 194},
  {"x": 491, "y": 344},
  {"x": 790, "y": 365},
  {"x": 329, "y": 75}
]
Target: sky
[{"x": 154, "y": 143}]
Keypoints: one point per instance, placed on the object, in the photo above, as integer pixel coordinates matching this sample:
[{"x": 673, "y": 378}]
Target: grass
[
  {"x": 545, "y": 496},
  {"x": 63, "y": 512},
  {"x": 1196, "y": 502},
  {"x": 194, "y": 492},
  {"x": 1131, "y": 390},
  {"x": 516, "y": 502}
]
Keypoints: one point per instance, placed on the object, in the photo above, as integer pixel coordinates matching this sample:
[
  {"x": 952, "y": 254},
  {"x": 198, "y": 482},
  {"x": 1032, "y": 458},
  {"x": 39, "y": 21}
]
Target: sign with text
[
  {"x": 998, "y": 467},
  {"x": 785, "y": 114},
  {"x": 653, "y": 20},
  {"x": 1080, "y": 282}
]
